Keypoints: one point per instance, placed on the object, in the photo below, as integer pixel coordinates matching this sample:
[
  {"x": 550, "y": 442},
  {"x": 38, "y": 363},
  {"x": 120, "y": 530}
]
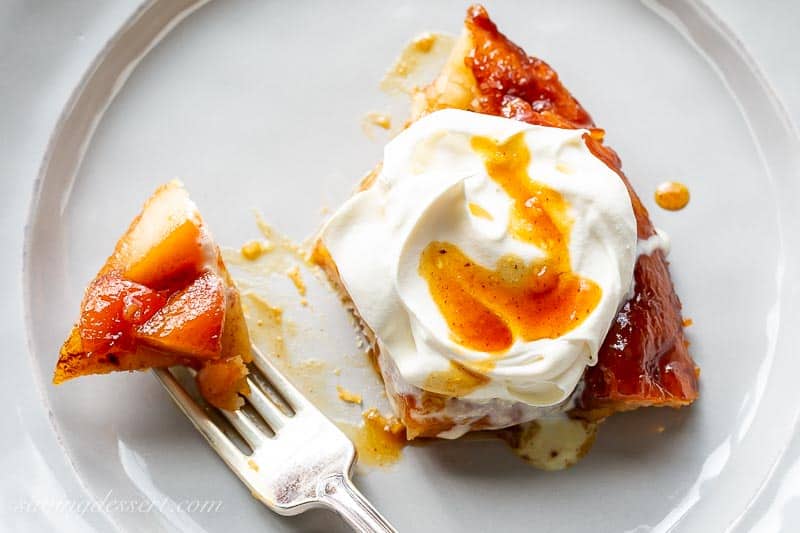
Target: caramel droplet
[{"x": 672, "y": 195}]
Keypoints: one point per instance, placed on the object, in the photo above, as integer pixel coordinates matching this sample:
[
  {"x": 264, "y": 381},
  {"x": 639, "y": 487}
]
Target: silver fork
[{"x": 305, "y": 465}]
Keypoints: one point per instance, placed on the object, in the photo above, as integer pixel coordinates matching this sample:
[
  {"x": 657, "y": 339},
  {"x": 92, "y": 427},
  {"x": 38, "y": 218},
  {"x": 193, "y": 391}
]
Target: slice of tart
[
  {"x": 641, "y": 358},
  {"x": 163, "y": 298}
]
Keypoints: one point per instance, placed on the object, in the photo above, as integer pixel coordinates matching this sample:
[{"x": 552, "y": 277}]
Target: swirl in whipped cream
[{"x": 489, "y": 257}]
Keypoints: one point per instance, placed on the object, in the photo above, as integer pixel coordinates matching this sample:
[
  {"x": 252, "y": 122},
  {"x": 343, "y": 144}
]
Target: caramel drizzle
[{"x": 486, "y": 309}]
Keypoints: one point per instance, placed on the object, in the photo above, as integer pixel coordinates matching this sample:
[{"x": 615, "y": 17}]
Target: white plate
[{"x": 258, "y": 105}]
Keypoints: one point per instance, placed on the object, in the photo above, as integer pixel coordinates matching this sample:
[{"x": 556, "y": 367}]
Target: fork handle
[{"x": 338, "y": 493}]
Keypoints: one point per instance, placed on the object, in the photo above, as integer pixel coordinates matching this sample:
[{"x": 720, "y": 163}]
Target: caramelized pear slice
[
  {"x": 111, "y": 307},
  {"x": 179, "y": 256},
  {"x": 191, "y": 322}
]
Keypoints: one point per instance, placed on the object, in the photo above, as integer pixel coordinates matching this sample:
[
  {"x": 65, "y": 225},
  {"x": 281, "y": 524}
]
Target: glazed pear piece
[{"x": 163, "y": 298}]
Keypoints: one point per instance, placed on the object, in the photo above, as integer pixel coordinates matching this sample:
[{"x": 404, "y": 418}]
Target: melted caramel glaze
[
  {"x": 378, "y": 440},
  {"x": 487, "y": 309},
  {"x": 672, "y": 196}
]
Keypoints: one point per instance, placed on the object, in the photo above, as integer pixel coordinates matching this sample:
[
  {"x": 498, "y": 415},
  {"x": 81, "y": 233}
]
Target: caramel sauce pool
[
  {"x": 379, "y": 440},
  {"x": 487, "y": 309},
  {"x": 672, "y": 195}
]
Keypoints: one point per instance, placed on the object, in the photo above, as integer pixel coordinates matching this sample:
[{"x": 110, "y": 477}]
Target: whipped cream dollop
[{"x": 435, "y": 190}]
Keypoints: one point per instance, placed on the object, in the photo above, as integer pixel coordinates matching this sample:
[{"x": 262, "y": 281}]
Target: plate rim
[{"x": 59, "y": 129}]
